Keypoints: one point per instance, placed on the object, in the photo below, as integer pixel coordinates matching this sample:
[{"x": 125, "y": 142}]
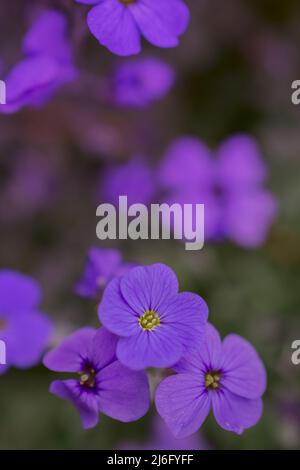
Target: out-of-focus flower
[
  {"x": 23, "y": 328},
  {"x": 102, "y": 266},
  {"x": 162, "y": 439},
  {"x": 228, "y": 377},
  {"x": 47, "y": 64},
  {"x": 237, "y": 206},
  {"x": 134, "y": 180},
  {"x": 155, "y": 323},
  {"x": 139, "y": 82},
  {"x": 119, "y": 24},
  {"x": 103, "y": 385}
]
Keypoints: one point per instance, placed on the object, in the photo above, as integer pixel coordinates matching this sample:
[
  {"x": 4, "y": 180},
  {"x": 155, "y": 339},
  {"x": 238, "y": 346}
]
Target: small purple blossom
[
  {"x": 102, "y": 385},
  {"x": 228, "y": 377},
  {"x": 156, "y": 325},
  {"x": 25, "y": 331},
  {"x": 47, "y": 64},
  {"x": 231, "y": 186},
  {"x": 139, "y": 82},
  {"x": 134, "y": 179},
  {"x": 119, "y": 24},
  {"x": 102, "y": 266}
]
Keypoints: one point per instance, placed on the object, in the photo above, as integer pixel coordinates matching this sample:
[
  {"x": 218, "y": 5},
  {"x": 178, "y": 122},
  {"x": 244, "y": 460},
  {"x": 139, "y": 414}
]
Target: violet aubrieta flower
[
  {"x": 119, "y": 24},
  {"x": 156, "y": 325},
  {"x": 231, "y": 186},
  {"x": 228, "y": 377},
  {"x": 137, "y": 83},
  {"x": 134, "y": 179},
  {"x": 102, "y": 385},
  {"x": 24, "y": 330},
  {"x": 102, "y": 266},
  {"x": 47, "y": 64}
]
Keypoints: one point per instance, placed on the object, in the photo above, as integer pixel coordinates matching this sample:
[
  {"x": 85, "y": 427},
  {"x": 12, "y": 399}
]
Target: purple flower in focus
[
  {"x": 23, "y": 328},
  {"x": 137, "y": 83},
  {"x": 228, "y": 377},
  {"x": 134, "y": 180},
  {"x": 47, "y": 64},
  {"x": 103, "y": 385},
  {"x": 101, "y": 267},
  {"x": 119, "y": 24},
  {"x": 237, "y": 206},
  {"x": 155, "y": 323}
]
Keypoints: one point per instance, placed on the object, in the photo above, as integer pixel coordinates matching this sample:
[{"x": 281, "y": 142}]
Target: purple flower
[
  {"x": 103, "y": 385},
  {"x": 134, "y": 179},
  {"x": 155, "y": 323},
  {"x": 231, "y": 186},
  {"x": 23, "y": 328},
  {"x": 119, "y": 24},
  {"x": 139, "y": 82},
  {"x": 47, "y": 64},
  {"x": 228, "y": 377},
  {"x": 101, "y": 267}
]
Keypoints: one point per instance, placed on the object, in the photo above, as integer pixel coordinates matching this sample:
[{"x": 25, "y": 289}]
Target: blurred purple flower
[
  {"x": 228, "y": 376},
  {"x": 119, "y": 24},
  {"x": 155, "y": 323},
  {"x": 47, "y": 64},
  {"x": 23, "y": 328},
  {"x": 104, "y": 385},
  {"x": 139, "y": 82},
  {"x": 102, "y": 266},
  {"x": 163, "y": 439},
  {"x": 134, "y": 180},
  {"x": 231, "y": 186}
]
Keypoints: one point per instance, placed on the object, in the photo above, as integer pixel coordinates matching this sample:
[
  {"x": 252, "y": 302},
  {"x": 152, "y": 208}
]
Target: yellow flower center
[
  {"x": 212, "y": 380},
  {"x": 149, "y": 321},
  {"x": 87, "y": 378}
]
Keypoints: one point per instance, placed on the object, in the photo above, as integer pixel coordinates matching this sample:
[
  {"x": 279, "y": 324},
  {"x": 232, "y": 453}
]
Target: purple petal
[
  {"x": 148, "y": 287},
  {"x": 240, "y": 165},
  {"x": 245, "y": 374},
  {"x": 248, "y": 217},
  {"x": 103, "y": 348},
  {"x": 86, "y": 403},
  {"x": 159, "y": 348},
  {"x": 70, "y": 355},
  {"x": 183, "y": 403},
  {"x": 235, "y": 413},
  {"x": 115, "y": 313},
  {"x": 18, "y": 293},
  {"x": 48, "y": 36},
  {"x": 186, "y": 316},
  {"x": 161, "y": 22},
  {"x": 187, "y": 164},
  {"x": 124, "y": 395},
  {"x": 114, "y": 27},
  {"x": 206, "y": 357}
]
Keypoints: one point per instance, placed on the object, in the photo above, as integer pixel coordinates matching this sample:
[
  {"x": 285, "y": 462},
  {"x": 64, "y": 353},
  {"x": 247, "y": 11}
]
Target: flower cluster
[{"x": 148, "y": 323}]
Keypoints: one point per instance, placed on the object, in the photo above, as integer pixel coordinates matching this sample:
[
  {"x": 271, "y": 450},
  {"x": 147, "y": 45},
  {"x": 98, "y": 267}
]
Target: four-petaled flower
[
  {"x": 119, "y": 24},
  {"x": 228, "y": 376},
  {"x": 156, "y": 325},
  {"x": 103, "y": 385}
]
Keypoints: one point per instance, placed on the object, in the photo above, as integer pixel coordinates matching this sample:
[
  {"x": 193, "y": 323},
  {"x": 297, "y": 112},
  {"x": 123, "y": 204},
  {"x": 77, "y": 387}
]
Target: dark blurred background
[{"x": 234, "y": 66}]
